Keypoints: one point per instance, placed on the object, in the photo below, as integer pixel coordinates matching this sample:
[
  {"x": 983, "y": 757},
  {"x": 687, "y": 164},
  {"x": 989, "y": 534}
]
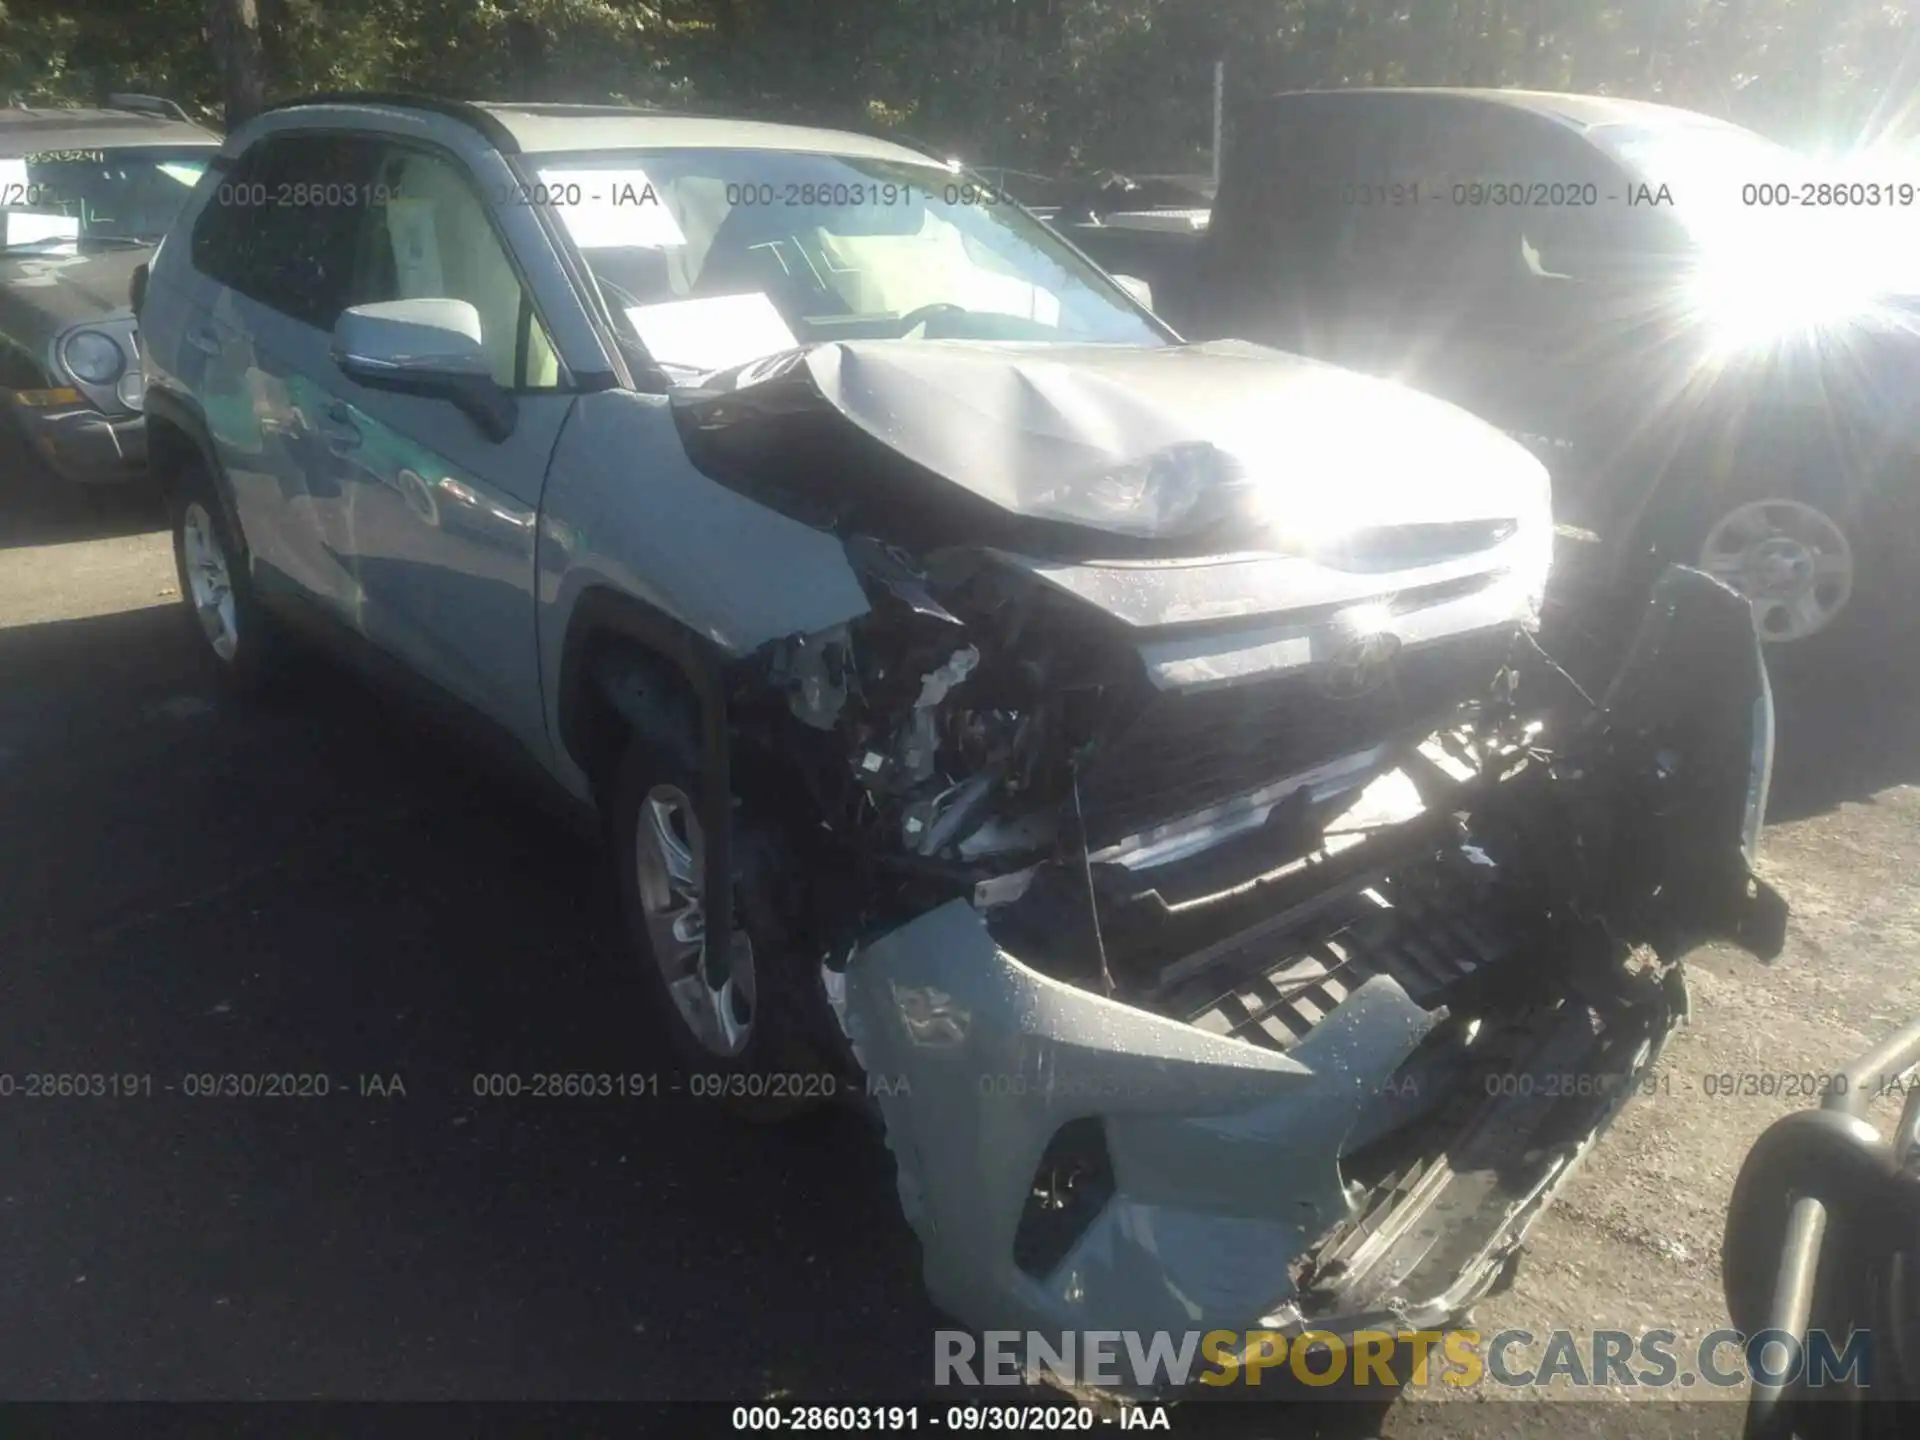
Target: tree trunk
[
  {"x": 277, "y": 22},
  {"x": 527, "y": 58},
  {"x": 1496, "y": 44},
  {"x": 1483, "y": 37},
  {"x": 1432, "y": 28},
  {"x": 236, "y": 49},
  {"x": 1533, "y": 67}
]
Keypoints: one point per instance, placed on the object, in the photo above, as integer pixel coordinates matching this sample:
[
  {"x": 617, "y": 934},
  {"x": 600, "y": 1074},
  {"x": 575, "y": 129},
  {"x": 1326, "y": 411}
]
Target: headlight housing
[
  {"x": 1171, "y": 491},
  {"x": 93, "y": 357}
]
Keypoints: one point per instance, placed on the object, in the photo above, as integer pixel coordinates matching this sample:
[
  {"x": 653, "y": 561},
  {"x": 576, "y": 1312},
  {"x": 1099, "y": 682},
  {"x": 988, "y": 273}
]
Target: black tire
[
  {"x": 780, "y": 1071},
  {"x": 1803, "y": 492},
  {"x": 243, "y": 642}
]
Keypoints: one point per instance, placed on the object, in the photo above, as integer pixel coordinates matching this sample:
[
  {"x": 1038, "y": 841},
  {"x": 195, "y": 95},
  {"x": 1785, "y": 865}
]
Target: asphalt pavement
[{"x": 324, "y": 890}]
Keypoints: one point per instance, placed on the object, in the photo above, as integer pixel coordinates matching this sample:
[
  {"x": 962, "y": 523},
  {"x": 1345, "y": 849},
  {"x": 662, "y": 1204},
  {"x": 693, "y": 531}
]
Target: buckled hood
[{"x": 1226, "y": 440}]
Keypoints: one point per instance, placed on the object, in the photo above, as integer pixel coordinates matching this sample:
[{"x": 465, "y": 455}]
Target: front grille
[
  {"x": 1404, "y": 546},
  {"x": 1185, "y": 752},
  {"x": 1421, "y": 928}
]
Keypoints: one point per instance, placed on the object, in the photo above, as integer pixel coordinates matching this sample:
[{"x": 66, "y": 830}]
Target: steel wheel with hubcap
[
  {"x": 711, "y": 984},
  {"x": 1793, "y": 562}
]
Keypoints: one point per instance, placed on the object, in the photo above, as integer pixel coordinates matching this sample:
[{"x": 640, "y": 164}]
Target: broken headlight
[{"x": 1174, "y": 490}]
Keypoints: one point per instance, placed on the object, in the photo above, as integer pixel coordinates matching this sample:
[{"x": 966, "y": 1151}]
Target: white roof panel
[{"x": 547, "y": 129}]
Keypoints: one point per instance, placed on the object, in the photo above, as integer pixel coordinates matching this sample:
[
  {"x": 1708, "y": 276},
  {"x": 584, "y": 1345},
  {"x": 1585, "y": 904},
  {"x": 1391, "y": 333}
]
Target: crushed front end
[
  {"x": 1321, "y": 1062},
  {"x": 1245, "y": 922}
]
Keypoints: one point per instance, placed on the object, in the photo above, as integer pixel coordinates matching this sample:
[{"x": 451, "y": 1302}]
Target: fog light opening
[{"x": 1071, "y": 1186}]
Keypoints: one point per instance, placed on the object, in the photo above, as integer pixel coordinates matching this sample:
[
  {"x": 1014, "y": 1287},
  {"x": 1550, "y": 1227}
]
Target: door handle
[
  {"x": 341, "y": 433},
  {"x": 205, "y": 339}
]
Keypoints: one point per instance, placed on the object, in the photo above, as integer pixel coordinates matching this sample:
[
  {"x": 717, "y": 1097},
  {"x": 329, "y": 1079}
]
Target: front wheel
[{"x": 742, "y": 1011}]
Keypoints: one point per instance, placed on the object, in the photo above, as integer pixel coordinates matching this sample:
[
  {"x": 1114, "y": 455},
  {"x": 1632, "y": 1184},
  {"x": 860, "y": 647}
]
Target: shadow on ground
[{"x": 323, "y": 891}]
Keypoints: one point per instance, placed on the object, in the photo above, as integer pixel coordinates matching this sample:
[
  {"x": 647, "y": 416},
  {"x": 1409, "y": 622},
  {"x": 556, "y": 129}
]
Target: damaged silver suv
[{"x": 1136, "y": 758}]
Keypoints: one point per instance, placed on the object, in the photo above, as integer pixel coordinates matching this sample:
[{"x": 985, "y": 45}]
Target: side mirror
[
  {"x": 1137, "y": 288},
  {"x": 137, "y": 287},
  {"x": 430, "y": 348}
]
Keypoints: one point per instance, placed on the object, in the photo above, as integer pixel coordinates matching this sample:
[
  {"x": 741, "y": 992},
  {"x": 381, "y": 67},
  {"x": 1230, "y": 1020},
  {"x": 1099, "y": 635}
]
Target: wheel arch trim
[
  {"x": 601, "y": 613},
  {"x": 166, "y": 411}
]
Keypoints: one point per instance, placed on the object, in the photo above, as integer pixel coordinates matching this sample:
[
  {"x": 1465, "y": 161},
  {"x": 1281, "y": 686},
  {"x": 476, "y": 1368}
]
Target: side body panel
[
  {"x": 168, "y": 307},
  {"x": 626, "y": 511},
  {"x": 249, "y": 368},
  {"x": 394, "y": 511},
  {"x": 441, "y": 528},
  {"x": 438, "y": 516},
  {"x": 253, "y": 362}
]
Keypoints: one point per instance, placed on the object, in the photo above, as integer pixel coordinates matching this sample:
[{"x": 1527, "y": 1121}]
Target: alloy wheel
[
  {"x": 209, "y": 580},
  {"x": 711, "y": 983}
]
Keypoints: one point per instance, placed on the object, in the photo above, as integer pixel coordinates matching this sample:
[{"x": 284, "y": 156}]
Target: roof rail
[
  {"x": 944, "y": 154},
  {"x": 464, "y": 111},
  {"x": 488, "y": 124},
  {"x": 148, "y": 105}
]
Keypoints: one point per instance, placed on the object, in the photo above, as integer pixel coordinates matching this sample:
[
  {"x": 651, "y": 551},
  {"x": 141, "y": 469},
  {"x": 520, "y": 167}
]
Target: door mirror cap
[
  {"x": 431, "y": 348},
  {"x": 1137, "y": 288}
]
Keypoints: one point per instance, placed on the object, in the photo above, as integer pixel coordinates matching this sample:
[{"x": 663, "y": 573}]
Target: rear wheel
[{"x": 241, "y": 639}]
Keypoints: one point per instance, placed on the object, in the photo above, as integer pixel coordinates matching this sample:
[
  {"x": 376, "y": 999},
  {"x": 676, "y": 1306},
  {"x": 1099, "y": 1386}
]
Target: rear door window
[{"x": 281, "y": 226}]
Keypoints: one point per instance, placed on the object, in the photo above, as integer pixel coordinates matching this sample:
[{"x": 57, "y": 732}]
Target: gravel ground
[{"x": 323, "y": 886}]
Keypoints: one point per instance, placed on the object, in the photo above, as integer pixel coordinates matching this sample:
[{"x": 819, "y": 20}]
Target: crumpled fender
[{"x": 1223, "y": 1175}]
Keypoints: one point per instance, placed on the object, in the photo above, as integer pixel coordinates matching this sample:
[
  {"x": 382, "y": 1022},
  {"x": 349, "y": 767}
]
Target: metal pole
[
  {"x": 1792, "y": 1304},
  {"x": 1807, "y": 1221},
  {"x": 1219, "y": 114}
]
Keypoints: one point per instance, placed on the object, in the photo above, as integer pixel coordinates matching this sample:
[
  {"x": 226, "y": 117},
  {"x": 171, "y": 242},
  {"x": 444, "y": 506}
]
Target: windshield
[
  {"x": 1763, "y": 209},
  {"x": 120, "y": 195},
  {"x": 1709, "y": 169},
  {"x": 717, "y": 257}
]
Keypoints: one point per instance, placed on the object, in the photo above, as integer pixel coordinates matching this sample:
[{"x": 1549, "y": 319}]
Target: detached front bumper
[
  {"x": 82, "y": 445},
  {"x": 1350, "y": 1112},
  {"x": 1217, "y": 1197}
]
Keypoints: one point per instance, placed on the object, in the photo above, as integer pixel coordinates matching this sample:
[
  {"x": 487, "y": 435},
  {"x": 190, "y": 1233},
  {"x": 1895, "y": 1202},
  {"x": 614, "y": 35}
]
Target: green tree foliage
[{"x": 1037, "y": 83}]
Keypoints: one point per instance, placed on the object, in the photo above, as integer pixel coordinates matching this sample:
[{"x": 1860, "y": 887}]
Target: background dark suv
[{"x": 1704, "y": 336}]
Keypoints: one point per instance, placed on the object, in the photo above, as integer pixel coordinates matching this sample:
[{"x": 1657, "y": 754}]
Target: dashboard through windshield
[
  {"x": 716, "y": 257},
  {"x": 127, "y": 193}
]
